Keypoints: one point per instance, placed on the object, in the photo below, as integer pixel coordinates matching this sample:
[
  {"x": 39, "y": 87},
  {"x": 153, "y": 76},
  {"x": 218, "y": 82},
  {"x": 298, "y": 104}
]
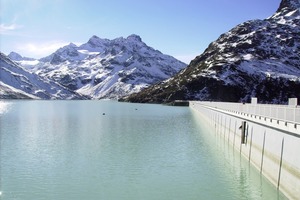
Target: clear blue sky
[{"x": 181, "y": 28}]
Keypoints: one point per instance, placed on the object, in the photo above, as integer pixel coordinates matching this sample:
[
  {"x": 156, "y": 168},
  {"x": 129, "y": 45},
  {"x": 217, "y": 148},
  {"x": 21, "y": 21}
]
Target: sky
[{"x": 180, "y": 28}]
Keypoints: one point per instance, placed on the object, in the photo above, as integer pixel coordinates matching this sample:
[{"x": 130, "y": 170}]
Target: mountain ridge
[
  {"x": 16, "y": 82},
  {"x": 256, "y": 58},
  {"x": 103, "y": 68}
]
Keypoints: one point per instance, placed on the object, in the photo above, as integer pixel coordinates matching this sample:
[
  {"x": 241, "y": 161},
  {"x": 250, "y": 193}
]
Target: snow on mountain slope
[
  {"x": 23, "y": 61},
  {"x": 16, "y": 82},
  {"x": 17, "y": 57},
  {"x": 257, "y": 58},
  {"x": 9, "y": 92},
  {"x": 103, "y": 68}
]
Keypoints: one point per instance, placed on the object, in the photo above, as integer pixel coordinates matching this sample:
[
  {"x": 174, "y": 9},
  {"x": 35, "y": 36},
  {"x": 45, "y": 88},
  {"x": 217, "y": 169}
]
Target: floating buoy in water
[{"x": 103, "y": 113}]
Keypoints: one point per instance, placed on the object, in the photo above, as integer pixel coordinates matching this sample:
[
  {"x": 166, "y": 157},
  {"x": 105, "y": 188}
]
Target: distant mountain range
[
  {"x": 258, "y": 58},
  {"x": 100, "y": 68},
  {"x": 17, "y": 83}
]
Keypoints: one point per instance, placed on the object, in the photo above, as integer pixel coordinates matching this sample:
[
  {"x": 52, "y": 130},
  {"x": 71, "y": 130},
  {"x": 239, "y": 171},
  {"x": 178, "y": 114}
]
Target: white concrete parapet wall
[{"x": 272, "y": 137}]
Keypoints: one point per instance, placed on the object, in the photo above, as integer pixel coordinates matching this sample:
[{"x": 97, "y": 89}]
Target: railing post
[
  {"x": 294, "y": 114},
  {"x": 285, "y": 117}
]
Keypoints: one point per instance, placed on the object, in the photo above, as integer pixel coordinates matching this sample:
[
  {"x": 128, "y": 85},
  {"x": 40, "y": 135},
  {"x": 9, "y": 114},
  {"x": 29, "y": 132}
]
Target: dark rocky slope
[{"x": 258, "y": 58}]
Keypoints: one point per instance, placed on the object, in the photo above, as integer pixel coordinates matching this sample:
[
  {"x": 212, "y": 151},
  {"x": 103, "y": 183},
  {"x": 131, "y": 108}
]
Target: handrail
[{"x": 286, "y": 113}]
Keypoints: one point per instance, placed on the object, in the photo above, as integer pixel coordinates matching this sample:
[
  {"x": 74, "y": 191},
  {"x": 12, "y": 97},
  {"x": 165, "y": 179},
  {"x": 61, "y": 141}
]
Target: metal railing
[{"x": 284, "y": 113}]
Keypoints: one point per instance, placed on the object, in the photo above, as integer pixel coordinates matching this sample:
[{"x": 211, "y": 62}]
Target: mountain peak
[
  {"x": 95, "y": 41},
  {"x": 289, "y": 4},
  {"x": 69, "y": 47},
  {"x": 134, "y": 37},
  {"x": 15, "y": 56},
  {"x": 72, "y": 45},
  {"x": 94, "y": 37}
]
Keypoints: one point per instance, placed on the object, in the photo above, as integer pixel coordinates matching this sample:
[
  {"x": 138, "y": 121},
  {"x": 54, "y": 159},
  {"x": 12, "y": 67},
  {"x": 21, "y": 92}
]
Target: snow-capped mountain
[
  {"x": 16, "y": 83},
  {"x": 24, "y": 61},
  {"x": 103, "y": 68},
  {"x": 258, "y": 58},
  {"x": 17, "y": 57}
]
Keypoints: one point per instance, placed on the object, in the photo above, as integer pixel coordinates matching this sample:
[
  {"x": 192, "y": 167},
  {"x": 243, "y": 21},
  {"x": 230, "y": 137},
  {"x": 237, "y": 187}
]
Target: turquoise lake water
[{"x": 110, "y": 150}]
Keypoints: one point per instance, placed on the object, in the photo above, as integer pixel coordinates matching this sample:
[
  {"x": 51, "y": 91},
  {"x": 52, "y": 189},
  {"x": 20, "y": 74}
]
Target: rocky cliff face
[{"x": 258, "y": 58}]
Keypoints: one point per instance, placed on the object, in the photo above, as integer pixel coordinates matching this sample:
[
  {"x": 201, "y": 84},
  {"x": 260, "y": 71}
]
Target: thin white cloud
[
  {"x": 39, "y": 50},
  {"x": 7, "y": 28}
]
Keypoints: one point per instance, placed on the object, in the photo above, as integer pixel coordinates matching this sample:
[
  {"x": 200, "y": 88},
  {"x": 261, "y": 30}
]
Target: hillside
[
  {"x": 258, "y": 58},
  {"x": 18, "y": 83}
]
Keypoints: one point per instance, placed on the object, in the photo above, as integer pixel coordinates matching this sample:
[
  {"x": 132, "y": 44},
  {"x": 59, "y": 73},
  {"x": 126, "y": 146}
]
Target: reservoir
[{"x": 111, "y": 150}]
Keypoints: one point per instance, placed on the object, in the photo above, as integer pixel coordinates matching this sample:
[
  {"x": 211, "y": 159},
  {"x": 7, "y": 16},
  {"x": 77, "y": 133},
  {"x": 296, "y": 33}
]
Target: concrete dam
[{"x": 268, "y": 136}]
